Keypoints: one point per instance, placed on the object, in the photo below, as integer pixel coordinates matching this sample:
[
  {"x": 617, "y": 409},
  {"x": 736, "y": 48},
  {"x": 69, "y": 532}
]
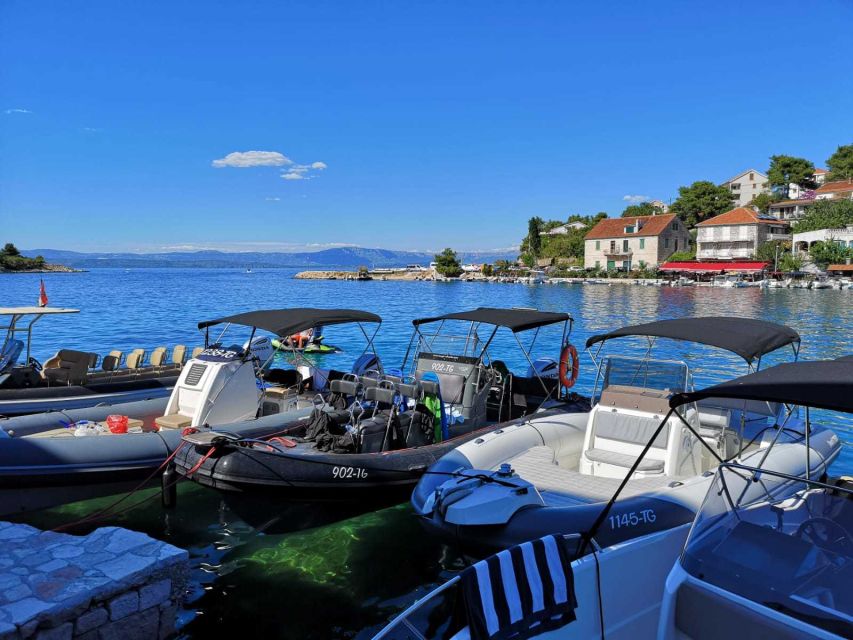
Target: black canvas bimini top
[
  {"x": 514, "y": 319},
  {"x": 822, "y": 384},
  {"x": 747, "y": 337},
  {"x": 285, "y": 322}
]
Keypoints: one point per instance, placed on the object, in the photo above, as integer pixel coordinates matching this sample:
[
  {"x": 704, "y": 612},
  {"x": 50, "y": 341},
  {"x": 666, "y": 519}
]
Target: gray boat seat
[
  {"x": 381, "y": 395},
  {"x": 623, "y": 460},
  {"x": 560, "y": 486},
  {"x": 173, "y": 421},
  {"x": 118, "y": 355},
  {"x": 429, "y": 387},
  {"x": 412, "y": 391},
  {"x": 110, "y": 363},
  {"x": 349, "y": 388}
]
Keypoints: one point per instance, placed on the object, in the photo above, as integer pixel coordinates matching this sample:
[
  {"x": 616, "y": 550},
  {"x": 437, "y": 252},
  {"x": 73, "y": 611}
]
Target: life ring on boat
[{"x": 569, "y": 351}]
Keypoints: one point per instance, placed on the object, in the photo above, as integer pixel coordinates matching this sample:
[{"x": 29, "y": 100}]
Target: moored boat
[{"x": 390, "y": 429}]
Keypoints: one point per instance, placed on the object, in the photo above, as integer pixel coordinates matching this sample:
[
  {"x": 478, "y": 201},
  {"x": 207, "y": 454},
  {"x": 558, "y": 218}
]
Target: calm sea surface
[{"x": 314, "y": 571}]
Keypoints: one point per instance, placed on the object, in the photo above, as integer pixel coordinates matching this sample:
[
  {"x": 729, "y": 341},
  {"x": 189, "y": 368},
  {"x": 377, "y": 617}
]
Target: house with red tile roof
[
  {"x": 835, "y": 190},
  {"x": 629, "y": 243},
  {"x": 737, "y": 234}
]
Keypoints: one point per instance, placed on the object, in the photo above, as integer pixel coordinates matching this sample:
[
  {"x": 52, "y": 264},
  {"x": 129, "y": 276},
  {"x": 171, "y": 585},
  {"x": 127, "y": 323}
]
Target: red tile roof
[
  {"x": 840, "y": 267},
  {"x": 615, "y": 227},
  {"x": 835, "y": 186},
  {"x": 741, "y": 215},
  {"x": 820, "y": 171},
  {"x": 710, "y": 267},
  {"x": 785, "y": 203}
]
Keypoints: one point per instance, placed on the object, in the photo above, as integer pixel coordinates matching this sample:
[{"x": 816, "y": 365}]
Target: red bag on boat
[{"x": 117, "y": 424}]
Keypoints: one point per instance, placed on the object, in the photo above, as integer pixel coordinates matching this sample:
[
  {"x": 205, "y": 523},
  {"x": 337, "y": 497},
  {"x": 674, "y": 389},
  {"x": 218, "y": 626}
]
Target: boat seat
[
  {"x": 412, "y": 391},
  {"x": 134, "y": 361},
  {"x": 141, "y": 356},
  {"x": 158, "y": 357},
  {"x": 71, "y": 368},
  {"x": 110, "y": 363},
  {"x": 173, "y": 421},
  {"x": 93, "y": 360},
  {"x": 559, "y": 485},
  {"x": 623, "y": 460},
  {"x": 349, "y": 388},
  {"x": 196, "y": 352},
  {"x": 179, "y": 354},
  {"x": 118, "y": 355}
]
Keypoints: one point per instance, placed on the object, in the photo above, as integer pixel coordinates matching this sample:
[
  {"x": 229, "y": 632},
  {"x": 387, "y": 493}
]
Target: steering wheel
[
  {"x": 35, "y": 364},
  {"x": 826, "y": 534}
]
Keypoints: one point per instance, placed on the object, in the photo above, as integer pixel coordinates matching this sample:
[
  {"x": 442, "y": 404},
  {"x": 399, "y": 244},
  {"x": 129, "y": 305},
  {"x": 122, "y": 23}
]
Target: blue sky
[{"x": 436, "y": 123}]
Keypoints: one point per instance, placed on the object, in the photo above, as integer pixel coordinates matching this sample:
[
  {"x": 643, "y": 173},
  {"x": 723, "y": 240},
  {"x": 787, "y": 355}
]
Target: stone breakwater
[{"x": 110, "y": 584}]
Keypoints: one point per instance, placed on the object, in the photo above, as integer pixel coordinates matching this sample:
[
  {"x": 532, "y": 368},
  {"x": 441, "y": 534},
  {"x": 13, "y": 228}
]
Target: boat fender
[{"x": 569, "y": 351}]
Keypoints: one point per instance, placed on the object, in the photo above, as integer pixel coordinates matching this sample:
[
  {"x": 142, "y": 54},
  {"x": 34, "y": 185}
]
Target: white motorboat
[
  {"x": 769, "y": 555},
  {"x": 728, "y": 281},
  {"x": 553, "y": 473}
]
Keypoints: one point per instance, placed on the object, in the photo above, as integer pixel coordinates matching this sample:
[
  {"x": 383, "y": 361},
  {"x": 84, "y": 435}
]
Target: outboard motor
[
  {"x": 261, "y": 347},
  {"x": 544, "y": 368},
  {"x": 367, "y": 362},
  {"x": 216, "y": 387}
]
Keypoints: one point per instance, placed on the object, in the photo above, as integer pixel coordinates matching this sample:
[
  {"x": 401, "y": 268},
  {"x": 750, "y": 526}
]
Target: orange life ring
[{"x": 569, "y": 351}]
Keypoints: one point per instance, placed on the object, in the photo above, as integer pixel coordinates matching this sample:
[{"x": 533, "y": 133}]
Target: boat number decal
[
  {"x": 632, "y": 518},
  {"x": 442, "y": 367},
  {"x": 348, "y": 473}
]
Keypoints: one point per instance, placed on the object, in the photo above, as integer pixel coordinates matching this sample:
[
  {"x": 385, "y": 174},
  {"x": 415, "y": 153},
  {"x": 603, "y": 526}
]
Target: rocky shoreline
[{"x": 48, "y": 268}]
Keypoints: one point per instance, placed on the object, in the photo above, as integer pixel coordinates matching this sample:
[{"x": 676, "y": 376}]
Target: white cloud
[
  {"x": 272, "y": 199},
  {"x": 319, "y": 165},
  {"x": 293, "y": 175},
  {"x": 11, "y": 111},
  {"x": 91, "y": 130},
  {"x": 636, "y": 199},
  {"x": 243, "y": 159}
]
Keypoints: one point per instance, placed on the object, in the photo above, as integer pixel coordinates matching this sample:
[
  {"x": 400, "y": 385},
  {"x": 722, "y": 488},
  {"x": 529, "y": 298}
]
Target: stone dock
[{"x": 110, "y": 584}]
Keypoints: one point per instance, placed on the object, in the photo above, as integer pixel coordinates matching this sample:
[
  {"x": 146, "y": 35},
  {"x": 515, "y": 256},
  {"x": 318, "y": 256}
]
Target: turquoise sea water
[{"x": 313, "y": 571}]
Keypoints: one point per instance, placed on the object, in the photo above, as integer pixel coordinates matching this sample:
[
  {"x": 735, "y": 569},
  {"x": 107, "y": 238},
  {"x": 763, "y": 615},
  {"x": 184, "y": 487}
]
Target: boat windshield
[
  {"x": 779, "y": 541},
  {"x": 644, "y": 373}
]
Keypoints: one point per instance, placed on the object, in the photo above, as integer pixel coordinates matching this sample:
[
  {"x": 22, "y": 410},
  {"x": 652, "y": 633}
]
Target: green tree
[
  {"x": 767, "y": 252},
  {"x": 533, "y": 243},
  {"x": 682, "y": 256},
  {"x": 487, "y": 270},
  {"x": 826, "y": 214},
  {"x": 840, "y": 163},
  {"x": 503, "y": 265},
  {"x": 447, "y": 263},
  {"x": 790, "y": 262},
  {"x": 763, "y": 201},
  {"x": 700, "y": 201},
  {"x": 10, "y": 249},
  {"x": 642, "y": 209},
  {"x": 787, "y": 170},
  {"x": 829, "y": 252}
]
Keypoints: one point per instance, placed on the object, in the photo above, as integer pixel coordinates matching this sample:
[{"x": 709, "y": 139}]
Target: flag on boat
[{"x": 42, "y": 294}]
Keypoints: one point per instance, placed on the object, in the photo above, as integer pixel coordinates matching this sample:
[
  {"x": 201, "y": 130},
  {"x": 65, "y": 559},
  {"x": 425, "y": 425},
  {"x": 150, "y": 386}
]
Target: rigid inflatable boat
[
  {"x": 555, "y": 474},
  {"x": 768, "y": 555},
  {"x": 74, "y": 379},
  {"x": 63, "y": 456},
  {"x": 381, "y": 434}
]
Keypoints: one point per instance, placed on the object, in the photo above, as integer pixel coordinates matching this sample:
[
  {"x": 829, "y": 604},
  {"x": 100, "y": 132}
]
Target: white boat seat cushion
[
  {"x": 629, "y": 428},
  {"x": 623, "y": 460},
  {"x": 173, "y": 421},
  {"x": 560, "y": 486}
]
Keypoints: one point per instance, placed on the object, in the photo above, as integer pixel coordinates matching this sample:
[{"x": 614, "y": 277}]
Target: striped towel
[{"x": 520, "y": 592}]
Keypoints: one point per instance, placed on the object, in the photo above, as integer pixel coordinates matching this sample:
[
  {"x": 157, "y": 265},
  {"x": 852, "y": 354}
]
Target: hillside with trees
[
  {"x": 569, "y": 245},
  {"x": 11, "y": 260}
]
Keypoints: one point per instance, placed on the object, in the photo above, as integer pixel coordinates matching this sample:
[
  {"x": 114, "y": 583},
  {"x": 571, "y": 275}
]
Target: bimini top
[
  {"x": 285, "y": 322},
  {"x": 514, "y": 319},
  {"x": 747, "y": 337},
  {"x": 39, "y": 311},
  {"x": 822, "y": 384},
  {"x": 845, "y": 359}
]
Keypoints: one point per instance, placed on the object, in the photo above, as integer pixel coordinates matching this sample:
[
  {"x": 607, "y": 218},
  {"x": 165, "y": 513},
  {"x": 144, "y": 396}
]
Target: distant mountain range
[{"x": 342, "y": 257}]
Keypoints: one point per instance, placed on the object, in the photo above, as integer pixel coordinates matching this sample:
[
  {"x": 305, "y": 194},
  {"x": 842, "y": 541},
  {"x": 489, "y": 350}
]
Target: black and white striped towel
[{"x": 519, "y": 592}]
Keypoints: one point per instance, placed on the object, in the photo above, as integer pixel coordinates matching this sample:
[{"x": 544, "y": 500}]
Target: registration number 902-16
[{"x": 349, "y": 473}]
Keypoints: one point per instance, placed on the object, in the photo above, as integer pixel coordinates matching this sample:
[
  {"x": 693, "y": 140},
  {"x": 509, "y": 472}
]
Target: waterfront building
[
  {"x": 737, "y": 234},
  {"x": 746, "y": 185},
  {"x": 625, "y": 243},
  {"x": 803, "y": 241}
]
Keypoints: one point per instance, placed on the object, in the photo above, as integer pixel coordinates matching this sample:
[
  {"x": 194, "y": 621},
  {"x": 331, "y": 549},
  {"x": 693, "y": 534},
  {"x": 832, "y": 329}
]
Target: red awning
[{"x": 714, "y": 267}]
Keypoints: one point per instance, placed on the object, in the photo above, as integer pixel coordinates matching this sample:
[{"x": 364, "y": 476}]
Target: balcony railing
[{"x": 618, "y": 252}]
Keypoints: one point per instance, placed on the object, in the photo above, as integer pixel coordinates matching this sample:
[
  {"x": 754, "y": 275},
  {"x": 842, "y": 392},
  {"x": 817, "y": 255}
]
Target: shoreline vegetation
[{"x": 11, "y": 261}]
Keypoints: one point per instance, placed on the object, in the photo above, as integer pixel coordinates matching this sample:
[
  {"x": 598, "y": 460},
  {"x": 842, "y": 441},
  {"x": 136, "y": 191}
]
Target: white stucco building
[
  {"x": 745, "y": 186},
  {"x": 625, "y": 243},
  {"x": 737, "y": 234},
  {"x": 843, "y": 236}
]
